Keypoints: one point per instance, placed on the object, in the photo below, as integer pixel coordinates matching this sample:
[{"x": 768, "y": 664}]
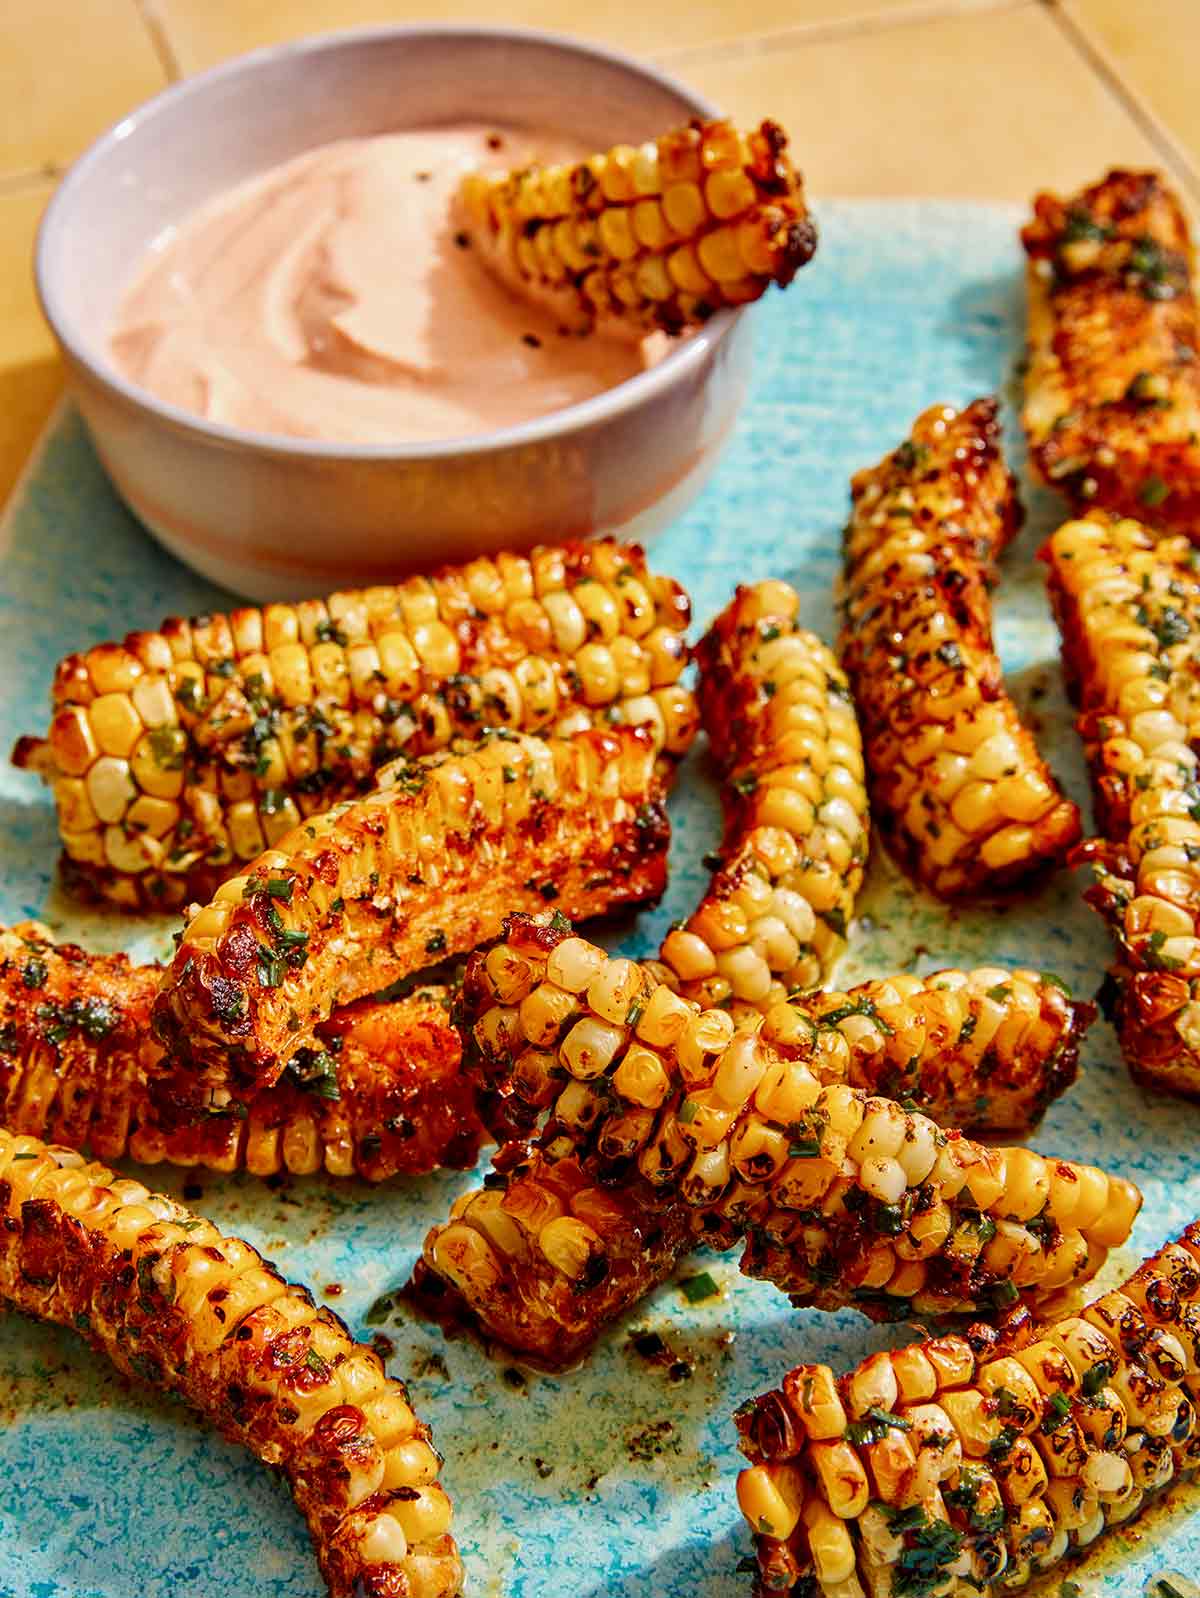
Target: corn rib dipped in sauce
[{"x": 337, "y": 297}]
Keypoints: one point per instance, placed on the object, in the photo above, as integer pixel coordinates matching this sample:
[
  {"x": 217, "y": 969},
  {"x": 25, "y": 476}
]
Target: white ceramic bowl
[{"x": 274, "y": 517}]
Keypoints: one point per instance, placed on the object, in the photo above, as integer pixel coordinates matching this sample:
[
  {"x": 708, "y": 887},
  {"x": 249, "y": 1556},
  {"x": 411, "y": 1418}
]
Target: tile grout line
[
  {"x": 747, "y": 46},
  {"x": 160, "y": 39},
  {"x": 32, "y": 177},
  {"x": 1097, "y": 60}
]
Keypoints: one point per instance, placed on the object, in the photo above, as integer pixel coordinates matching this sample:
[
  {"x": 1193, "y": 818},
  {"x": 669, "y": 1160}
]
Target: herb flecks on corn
[
  {"x": 783, "y": 731},
  {"x": 180, "y": 755},
  {"x": 665, "y": 1120},
  {"x": 1128, "y": 607},
  {"x": 654, "y": 237},
  {"x": 422, "y": 869},
  {"x": 965, "y": 1465},
  {"x": 171, "y": 1300},
  {"x": 384, "y": 1094},
  {"x": 1112, "y": 392},
  {"x": 958, "y": 789}
]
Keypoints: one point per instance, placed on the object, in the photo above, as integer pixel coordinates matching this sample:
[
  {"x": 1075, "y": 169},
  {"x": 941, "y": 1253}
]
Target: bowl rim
[{"x": 687, "y": 358}]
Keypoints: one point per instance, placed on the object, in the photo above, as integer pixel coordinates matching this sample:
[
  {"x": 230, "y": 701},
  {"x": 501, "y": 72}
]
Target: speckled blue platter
[{"x": 615, "y": 1480}]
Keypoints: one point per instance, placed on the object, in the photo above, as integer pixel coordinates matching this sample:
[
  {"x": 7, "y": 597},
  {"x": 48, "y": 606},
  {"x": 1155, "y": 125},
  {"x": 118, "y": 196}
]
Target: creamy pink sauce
[{"x": 329, "y": 299}]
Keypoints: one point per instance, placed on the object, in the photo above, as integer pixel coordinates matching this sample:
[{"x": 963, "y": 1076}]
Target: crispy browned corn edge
[
  {"x": 655, "y": 237},
  {"x": 783, "y": 732},
  {"x": 1128, "y": 607},
  {"x": 670, "y": 1126},
  {"x": 966, "y": 1465},
  {"x": 384, "y": 1095},
  {"x": 171, "y": 1300},
  {"x": 1112, "y": 393},
  {"x": 423, "y": 868},
  {"x": 958, "y": 789},
  {"x": 180, "y": 755}
]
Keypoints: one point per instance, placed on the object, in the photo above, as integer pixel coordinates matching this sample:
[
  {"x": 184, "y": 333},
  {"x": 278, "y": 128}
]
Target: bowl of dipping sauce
[{"x": 291, "y": 367}]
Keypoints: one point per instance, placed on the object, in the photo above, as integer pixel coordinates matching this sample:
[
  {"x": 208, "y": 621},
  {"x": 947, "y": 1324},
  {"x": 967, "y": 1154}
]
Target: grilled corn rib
[
  {"x": 966, "y": 1465},
  {"x": 782, "y": 728},
  {"x": 1128, "y": 606},
  {"x": 1112, "y": 393},
  {"x": 385, "y": 1095},
  {"x": 670, "y": 1126},
  {"x": 423, "y": 868},
  {"x": 170, "y": 1299},
  {"x": 958, "y": 789},
  {"x": 180, "y": 755},
  {"x": 654, "y": 237}
]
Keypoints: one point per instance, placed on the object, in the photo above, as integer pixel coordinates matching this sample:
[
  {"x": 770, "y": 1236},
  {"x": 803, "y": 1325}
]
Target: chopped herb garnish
[
  {"x": 1057, "y": 1409},
  {"x": 272, "y": 968},
  {"x": 1001, "y": 1445},
  {"x": 874, "y": 1425},
  {"x": 697, "y": 1288},
  {"x": 281, "y": 888},
  {"x": 1153, "y": 491},
  {"x": 33, "y": 973},
  {"x": 1098, "y": 1377},
  {"x": 315, "y": 1072}
]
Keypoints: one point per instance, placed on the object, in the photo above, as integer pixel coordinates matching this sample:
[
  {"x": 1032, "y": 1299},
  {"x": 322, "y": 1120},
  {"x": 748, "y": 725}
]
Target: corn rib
[
  {"x": 384, "y": 1096},
  {"x": 969, "y": 1464},
  {"x": 958, "y": 789},
  {"x": 180, "y": 755},
  {"x": 657, "y": 237},
  {"x": 424, "y": 868},
  {"x": 782, "y": 729},
  {"x": 670, "y": 1126},
  {"x": 1128, "y": 607},
  {"x": 171, "y": 1300},
  {"x": 1112, "y": 393}
]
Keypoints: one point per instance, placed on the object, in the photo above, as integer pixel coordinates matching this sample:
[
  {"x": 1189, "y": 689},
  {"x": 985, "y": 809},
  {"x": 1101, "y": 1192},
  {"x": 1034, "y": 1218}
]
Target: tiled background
[{"x": 982, "y": 98}]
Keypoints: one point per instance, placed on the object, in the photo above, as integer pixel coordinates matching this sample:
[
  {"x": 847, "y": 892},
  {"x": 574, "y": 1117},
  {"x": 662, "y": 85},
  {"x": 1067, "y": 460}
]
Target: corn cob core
[
  {"x": 1128, "y": 605},
  {"x": 782, "y": 728},
  {"x": 1112, "y": 392},
  {"x": 965, "y": 1465},
  {"x": 958, "y": 789},
  {"x": 178, "y": 756},
  {"x": 420, "y": 870},
  {"x": 654, "y": 237},
  {"x": 753, "y": 1132},
  {"x": 385, "y": 1095},
  {"x": 170, "y": 1299}
]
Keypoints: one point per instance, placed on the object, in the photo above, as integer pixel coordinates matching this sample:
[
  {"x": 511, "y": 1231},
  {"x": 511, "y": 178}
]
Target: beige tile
[
  {"x": 1154, "y": 48},
  {"x": 30, "y": 371},
  {"x": 989, "y": 106},
  {"x": 204, "y": 31},
  {"x": 68, "y": 68}
]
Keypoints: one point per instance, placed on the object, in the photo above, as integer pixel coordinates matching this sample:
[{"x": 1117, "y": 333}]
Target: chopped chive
[{"x": 697, "y": 1288}]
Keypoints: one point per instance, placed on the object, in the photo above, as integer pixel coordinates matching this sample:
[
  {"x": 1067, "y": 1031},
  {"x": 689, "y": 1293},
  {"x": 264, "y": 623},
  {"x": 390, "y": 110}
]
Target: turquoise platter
[{"x": 615, "y": 1480}]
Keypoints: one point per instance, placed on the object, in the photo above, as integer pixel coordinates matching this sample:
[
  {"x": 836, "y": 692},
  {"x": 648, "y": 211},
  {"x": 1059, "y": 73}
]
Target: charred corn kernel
[
  {"x": 722, "y": 210},
  {"x": 382, "y": 1093},
  {"x": 1026, "y": 1441},
  {"x": 149, "y": 1298},
  {"x": 293, "y": 708},
  {"x": 1112, "y": 393},
  {"x": 755, "y": 1131},
  {"x": 1128, "y": 608},
  {"x": 958, "y": 788},
  {"x": 378, "y": 887},
  {"x": 780, "y": 903}
]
